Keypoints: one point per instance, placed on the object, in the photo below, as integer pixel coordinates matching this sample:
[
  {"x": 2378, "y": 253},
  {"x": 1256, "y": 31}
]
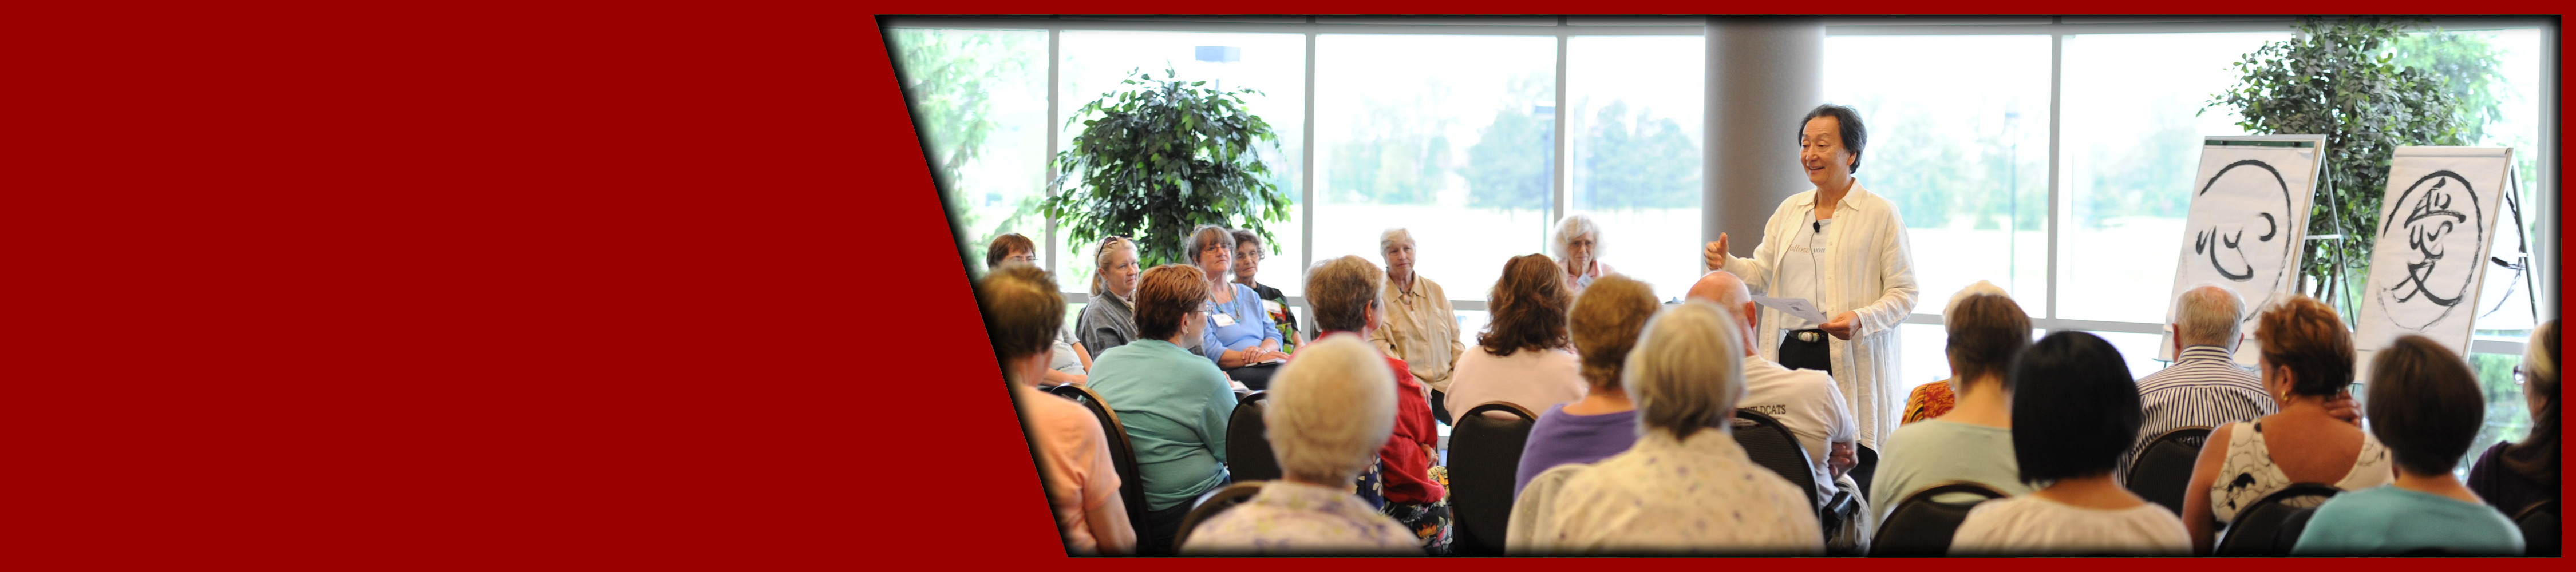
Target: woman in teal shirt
[
  {"x": 1172, "y": 403},
  {"x": 2425, "y": 405}
]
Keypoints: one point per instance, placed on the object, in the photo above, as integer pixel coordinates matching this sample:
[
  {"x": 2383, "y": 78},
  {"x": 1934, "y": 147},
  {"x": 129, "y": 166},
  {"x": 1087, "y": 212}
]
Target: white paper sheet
[{"x": 1800, "y": 307}]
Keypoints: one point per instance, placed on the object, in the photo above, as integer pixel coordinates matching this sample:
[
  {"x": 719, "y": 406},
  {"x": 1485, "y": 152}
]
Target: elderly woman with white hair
[
  {"x": 1240, "y": 337},
  {"x": 1578, "y": 250},
  {"x": 1328, "y": 413},
  {"x": 1685, "y": 486},
  {"x": 1419, "y": 326}
]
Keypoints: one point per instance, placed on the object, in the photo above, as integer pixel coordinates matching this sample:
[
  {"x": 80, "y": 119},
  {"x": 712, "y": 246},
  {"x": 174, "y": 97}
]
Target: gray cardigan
[{"x": 1106, "y": 322}]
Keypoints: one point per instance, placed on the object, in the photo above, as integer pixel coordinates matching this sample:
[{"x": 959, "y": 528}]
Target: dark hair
[
  {"x": 1605, "y": 323},
  {"x": 1165, "y": 295},
  {"x": 1986, "y": 331},
  {"x": 1243, "y": 235},
  {"x": 1002, "y": 247},
  {"x": 2074, "y": 408},
  {"x": 1528, "y": 307},
  {"x": 2307, "y": 337},
  {"x": 1855, "y": 135},
  {"x": 2424, "y": 404},
  {"x": 1022, "y": 310}
]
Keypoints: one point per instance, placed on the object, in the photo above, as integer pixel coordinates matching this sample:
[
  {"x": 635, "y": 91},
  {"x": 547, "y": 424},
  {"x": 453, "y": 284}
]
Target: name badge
[{"x": 1223, "y": 320}]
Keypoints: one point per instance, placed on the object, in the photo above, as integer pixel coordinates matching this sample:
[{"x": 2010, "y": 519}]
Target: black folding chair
[
  {"x": 1215, "y": 501},
  {"x": 1484, "y": 457},
  {"x": 1922, "y": 524},
  {"x": 1122, "y": 453},
  {"x": 2539, "y": 524},
  {"x": 1865, "y": 465},
  {"x": 2162, "y": 470},
  {"x": 2270, "y": 526},
  {"x": 1771, "y": 445},
  {"x": 1247, "y": 443}
]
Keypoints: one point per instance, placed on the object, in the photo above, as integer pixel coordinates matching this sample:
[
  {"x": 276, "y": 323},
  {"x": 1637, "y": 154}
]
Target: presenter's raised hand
[
  {"x": 1715, "y": 254},
  {"x": 1841, "y": 327}
]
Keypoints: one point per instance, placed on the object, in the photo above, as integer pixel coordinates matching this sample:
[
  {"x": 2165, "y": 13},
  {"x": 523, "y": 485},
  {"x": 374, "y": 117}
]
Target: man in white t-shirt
[{"x": 1805, "y": 401}]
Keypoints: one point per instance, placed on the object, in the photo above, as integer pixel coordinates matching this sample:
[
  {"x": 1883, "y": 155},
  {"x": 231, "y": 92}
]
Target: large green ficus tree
[
  {"x": 1159, "y": 157},
  {"x": 2337, "y": 78}
]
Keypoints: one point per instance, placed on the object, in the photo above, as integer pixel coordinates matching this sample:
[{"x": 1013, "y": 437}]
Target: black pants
[
  {"x": 1256, "y": 377},
  {"x": 1161, "y": 526},
  {"x": 1440, "y": 407},
  {"x": 1817, "y": 355}
]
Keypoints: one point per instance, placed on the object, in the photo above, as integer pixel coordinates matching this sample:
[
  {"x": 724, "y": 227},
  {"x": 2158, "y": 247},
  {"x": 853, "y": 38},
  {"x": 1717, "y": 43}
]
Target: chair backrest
[
  {"x": 1484, "y": 458},
  {"x": 1215, "y": 501},
  {"x": 1864, "y": 466},
  {"x": 1247, "y": 441},
  {"x": 1771, "y": 445},
  {"x": 1922, "y": 524},
  {"x": 2161, "y": 472},
  {"x": 2270, "y": 526},
  {"x": 2539, "y": 524},
  {"x": 1122, "y": 453}
]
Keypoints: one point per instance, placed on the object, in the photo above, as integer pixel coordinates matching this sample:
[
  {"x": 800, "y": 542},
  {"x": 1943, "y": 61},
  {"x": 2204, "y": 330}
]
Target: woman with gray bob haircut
[
  {"x": 1328, "y": 413},
  {"x": 1685, "y": 487}
]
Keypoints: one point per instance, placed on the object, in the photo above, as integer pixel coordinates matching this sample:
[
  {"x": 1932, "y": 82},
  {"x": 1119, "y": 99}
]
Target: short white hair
[
  {"x": 2208, "y": 315},
  {"x": 1330, "y": 410},
  {"x": 1687, "y": 372},
  {"x": 1386, "y": 240},
  {"x": 1575, "y": 225},
  {"x": 1981, "y": 287}
]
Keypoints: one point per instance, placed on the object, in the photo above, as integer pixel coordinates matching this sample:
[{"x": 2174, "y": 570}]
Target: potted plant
[{"x": 1159, "y": 157}]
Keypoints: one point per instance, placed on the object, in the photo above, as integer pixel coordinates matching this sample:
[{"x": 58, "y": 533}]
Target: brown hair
[
  {"x": 1165, "y": 295},
  {"x": 1987, "y": 331},
  {"x": 1528, "y": 306},
  {"x": 1605, "y": 323},
  {"x": 2307, "y": 337},
  {"x": 1339, "y": 292},
  {"x": 2424, "y": 404},
  {"x": 1002, "y": 247},
  {"x": 1022, "y": 310},
  {"x": 2536, "y": 457}
]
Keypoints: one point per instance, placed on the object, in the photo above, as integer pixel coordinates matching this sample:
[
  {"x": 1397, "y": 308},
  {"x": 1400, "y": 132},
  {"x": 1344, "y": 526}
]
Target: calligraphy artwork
[
  {"x": 2435, "y": 233},
  {"x": 2248, "y": 217}
]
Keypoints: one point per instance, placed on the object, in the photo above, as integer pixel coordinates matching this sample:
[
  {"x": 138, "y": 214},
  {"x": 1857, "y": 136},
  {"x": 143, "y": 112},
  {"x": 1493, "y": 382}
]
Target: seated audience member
[
  {"x": 2204, "y": 387},
  {"x": 1109, "y": 320},
  {"x": 1521, "y": 358},
  {"x": 2426, "y": 406},
  {"x": 1578, "y": 253},
  {"x": 1685, "y": 487},
  {"x": 1605, "y": 323},
  {"x": 1928, "y": 401},
  {"x": 1328, "y": 414},
  {"x": 1419, "y": 326},
  {"x": 1804, "y": 400},
  {"x": 1239, "y": 336},
  {"x": 1974, "y": 442},
  {"x": 2306, "y": 362},
  {"x": 1247, "y": 262},
  {"x": 2074, "y": 412},
  {"x": 2513, "y": 476},
  {"x": 1021, "y": 312},
  {"x": 1343, "y": 294},
  {"x": 1072, "y": 362},
  {"x": 1173, "y": 403}
]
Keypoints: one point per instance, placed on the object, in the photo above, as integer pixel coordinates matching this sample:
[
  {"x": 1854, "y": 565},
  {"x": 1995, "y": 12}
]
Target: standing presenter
[{"x": 1843, "y": 249}]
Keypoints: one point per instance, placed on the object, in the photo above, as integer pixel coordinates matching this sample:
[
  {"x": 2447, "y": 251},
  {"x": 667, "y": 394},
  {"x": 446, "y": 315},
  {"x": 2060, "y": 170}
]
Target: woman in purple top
[{"x": 1605, "y": 323}]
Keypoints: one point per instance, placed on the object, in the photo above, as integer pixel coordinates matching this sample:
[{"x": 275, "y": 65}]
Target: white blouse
[
  {"x": 1699, "y": 495},
  {"x": 1868, "y": 269},
  {"x": 2029, "y": 525}
]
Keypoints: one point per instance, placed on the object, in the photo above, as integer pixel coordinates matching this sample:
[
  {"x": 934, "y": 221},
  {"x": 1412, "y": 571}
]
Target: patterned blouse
[
  {"x": 1928, "y": 401},
  {"x": 2248, "y": 474},
  {"x": 1292, "y": 518},
  {"x": 1697, "y": 495}
]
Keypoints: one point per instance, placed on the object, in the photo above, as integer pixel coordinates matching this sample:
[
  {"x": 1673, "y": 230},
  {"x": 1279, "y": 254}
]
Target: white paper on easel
[
  {"x": 2435, "y": 229},
  {"x": 1803, "y": 308},
  {"x": 2248, "y": 222}
]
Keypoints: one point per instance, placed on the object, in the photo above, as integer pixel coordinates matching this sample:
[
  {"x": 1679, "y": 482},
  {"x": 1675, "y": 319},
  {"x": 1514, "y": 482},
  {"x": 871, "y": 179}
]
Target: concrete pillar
[{"x": 1763, "y": 74}]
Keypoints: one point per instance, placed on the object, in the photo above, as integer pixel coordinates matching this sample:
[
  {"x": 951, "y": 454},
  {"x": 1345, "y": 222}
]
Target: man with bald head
[
  {"x": 2204, "y": 387},
  {"x": 1804, "y": 400}
]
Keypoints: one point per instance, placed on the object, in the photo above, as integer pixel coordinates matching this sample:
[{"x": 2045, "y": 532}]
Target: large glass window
[
  {"x": 1448, "y": 136},
  {"x": 979, "y": 100},
  {"x": 1958, "y": 140},
  {"x": 1095, "y": 62},
  {"x": 2132, "y": 132},
  {"x": 1634, "y": 108}
]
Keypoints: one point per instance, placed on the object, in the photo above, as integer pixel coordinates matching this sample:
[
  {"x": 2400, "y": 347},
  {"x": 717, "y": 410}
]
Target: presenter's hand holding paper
[
  {"x": 1715, "y": 254},
  {"x": 1841, "y": 327}
]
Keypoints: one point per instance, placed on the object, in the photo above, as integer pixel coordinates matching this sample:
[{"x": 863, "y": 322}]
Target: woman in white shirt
[
  {"x": 1523, "y": 357},
  {"x": 1845, "y": 250},
  {"x": 1578, "y": 249},
  {"x": 2074, "y": 413}
]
